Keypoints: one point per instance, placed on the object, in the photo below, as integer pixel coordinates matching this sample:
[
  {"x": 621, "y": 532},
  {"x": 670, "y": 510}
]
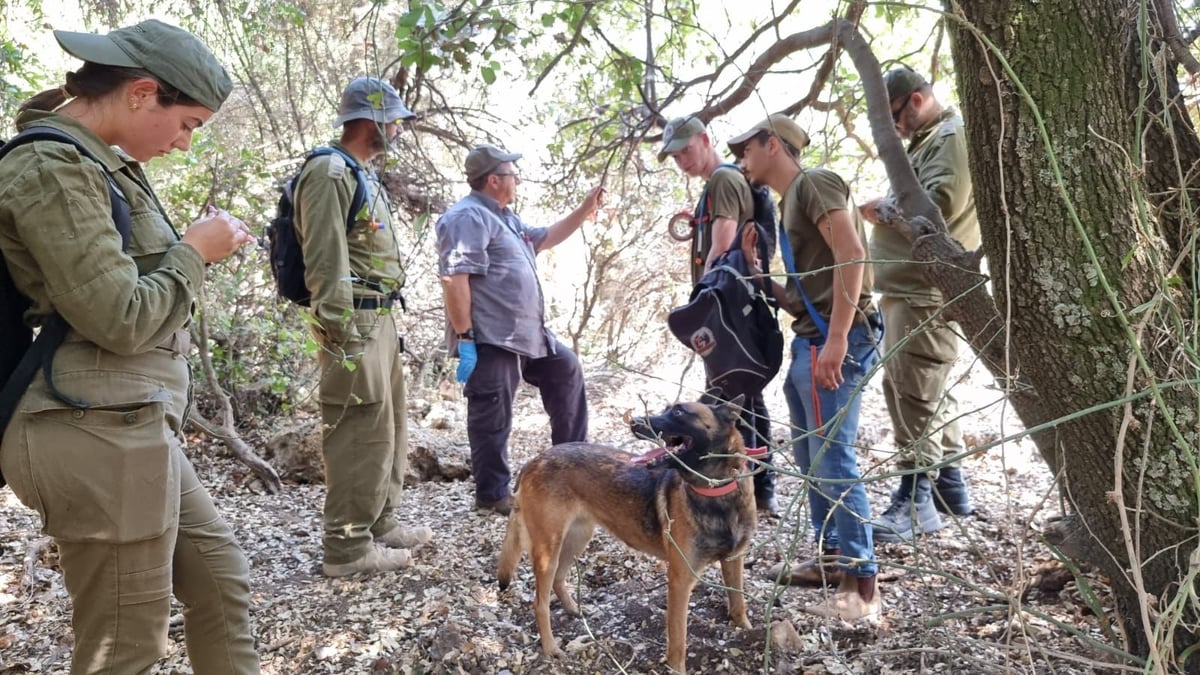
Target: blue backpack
[{"x": 287, "y": 258}]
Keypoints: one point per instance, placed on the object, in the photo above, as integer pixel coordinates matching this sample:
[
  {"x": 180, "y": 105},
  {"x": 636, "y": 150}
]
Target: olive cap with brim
[
  {"x": 779, "y": 125},
  {"x": 171, "y": 54},
  {"x": 370, "y": 98},
  {"x": 678, "y": 133},
  {"x": 902, "y": 81},
  {"x": 486, "y": 158}
]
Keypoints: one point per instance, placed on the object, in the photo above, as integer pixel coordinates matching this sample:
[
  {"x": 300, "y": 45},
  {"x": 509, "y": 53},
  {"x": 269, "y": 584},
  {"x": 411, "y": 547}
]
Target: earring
[{"x": 133, "y": 104}]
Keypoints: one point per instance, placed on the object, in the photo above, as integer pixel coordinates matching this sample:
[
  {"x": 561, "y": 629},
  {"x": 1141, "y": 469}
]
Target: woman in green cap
[{"x": 95, "y": 446}]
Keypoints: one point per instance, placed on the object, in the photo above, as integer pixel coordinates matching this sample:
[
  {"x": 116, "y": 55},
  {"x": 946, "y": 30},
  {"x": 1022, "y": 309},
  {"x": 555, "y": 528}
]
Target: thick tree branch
[{"x": 1173, "y": 37}]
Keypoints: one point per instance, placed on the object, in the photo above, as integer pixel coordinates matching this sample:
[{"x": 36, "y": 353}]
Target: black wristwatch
[{"x": 468, "y": 334}]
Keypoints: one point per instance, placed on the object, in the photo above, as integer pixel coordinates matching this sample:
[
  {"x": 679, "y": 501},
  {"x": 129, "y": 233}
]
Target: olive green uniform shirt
[
  {"x": 340, "y": 266},
  {"x": 64, "y": 251},
  {"x": 812, "y": 194},
  {"x": 938, "y": 154},
  {"x": 727, "y": 195}
]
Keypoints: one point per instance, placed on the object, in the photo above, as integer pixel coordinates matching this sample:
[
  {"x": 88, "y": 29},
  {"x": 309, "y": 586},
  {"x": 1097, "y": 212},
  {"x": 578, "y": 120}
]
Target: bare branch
[
  {"x": 225, "y": 430},
  {"x": 571, "y": 45}
]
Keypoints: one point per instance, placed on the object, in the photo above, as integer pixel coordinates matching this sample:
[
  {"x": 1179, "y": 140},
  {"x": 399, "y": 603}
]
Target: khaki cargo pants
[
  {"x": 131, "y": 520},
  {"x": 365, "y": 443},
  {"x": 920, "y": 350}
]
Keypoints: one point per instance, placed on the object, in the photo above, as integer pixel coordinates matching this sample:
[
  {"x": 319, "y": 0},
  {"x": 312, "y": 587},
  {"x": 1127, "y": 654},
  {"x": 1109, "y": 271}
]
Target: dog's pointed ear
[{"x": 731, "y": 410}]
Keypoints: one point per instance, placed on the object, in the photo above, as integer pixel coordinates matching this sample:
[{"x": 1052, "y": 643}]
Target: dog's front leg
[
  {"x": 680, "y": 582},
  {"x": 731, "y": 574}
]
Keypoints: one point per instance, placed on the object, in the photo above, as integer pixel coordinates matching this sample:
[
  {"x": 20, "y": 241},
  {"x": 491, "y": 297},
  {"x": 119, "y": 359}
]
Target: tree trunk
[{"x": 1075, "y": 254}]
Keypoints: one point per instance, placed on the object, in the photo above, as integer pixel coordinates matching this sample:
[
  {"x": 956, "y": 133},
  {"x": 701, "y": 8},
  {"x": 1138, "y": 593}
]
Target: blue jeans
[{"x": 824, "y": 427}]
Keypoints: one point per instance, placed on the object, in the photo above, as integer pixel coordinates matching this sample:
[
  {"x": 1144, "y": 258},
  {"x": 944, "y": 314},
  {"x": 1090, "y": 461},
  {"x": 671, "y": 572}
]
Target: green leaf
[
  {"x": 548, "y": 19},
  {"x": 489, "y": 75}
]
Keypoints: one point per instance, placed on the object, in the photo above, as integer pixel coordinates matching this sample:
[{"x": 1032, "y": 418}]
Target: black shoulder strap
[
  {"x": 360, "y": 180},
  {"x": 54, "y": 330}
]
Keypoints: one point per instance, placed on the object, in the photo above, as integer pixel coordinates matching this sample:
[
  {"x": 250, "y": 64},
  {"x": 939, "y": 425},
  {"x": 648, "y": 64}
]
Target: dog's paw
[{"x": 741, "y": 621}]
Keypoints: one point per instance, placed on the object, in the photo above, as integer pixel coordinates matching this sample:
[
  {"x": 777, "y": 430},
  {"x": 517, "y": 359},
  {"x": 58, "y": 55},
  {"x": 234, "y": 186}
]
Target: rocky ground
[{"x": 983, "y": 595}]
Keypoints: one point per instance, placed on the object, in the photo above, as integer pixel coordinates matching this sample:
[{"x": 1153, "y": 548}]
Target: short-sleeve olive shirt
[
  {"x": 811, "y": 195},
  {"x": 727, "y": 195}
]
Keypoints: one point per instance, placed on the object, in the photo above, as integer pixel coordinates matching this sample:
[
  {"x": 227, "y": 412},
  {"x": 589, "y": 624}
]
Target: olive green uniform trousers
[
  {"x": 131, "y": 520},
  {"x": 920, "y": 350},
  {"x": 365, "y": 445}
]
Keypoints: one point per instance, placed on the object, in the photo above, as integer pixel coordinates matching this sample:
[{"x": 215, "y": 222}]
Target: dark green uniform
[
  {"x": 921, "y": 345},
  {"x": 362, "y": 377},
  {"x": 111, "y": 482}
]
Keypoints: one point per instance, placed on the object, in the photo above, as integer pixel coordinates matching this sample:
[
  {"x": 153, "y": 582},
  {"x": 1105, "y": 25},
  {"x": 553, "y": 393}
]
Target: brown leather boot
[{"x": 819, "y": 571}]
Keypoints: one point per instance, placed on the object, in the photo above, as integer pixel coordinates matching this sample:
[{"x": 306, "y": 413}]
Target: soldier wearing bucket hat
[
  {"x": 495, "y": 311},
  {"x": 835, "y": 326},
  {"x": 353, "y": 274},
  {"x": 725, "y": 203},
  {"x": 111, "y": 481},
  {"x": 923, "y": 346}
]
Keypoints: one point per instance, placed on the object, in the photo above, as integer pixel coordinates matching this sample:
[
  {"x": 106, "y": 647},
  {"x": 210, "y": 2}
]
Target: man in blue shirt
[{"x": 496, "y": 310}]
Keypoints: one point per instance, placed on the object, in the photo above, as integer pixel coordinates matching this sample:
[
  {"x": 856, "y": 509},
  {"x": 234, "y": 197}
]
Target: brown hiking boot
[
  {"x": 377, "y": 559},
  {"x": 411, "y": 538},
  {"x": 810, "y": 572}
]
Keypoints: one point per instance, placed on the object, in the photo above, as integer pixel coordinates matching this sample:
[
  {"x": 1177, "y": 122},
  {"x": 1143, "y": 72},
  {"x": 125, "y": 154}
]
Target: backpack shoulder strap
[
  {"x": 360, "y": 177},
  {"x": 120, "y": 204}
]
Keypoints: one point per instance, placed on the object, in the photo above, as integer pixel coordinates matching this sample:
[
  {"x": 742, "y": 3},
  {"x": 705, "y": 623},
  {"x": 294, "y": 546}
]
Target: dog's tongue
[{"x": 652, "y": 456}]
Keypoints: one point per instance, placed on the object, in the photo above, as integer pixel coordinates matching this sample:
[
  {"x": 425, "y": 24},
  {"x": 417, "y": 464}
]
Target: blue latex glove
[{"x": 466, "y": 360}]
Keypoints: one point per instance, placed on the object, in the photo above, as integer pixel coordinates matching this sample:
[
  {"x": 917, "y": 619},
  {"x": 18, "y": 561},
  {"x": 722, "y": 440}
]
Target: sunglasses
[{"x": 899, "y": 111}]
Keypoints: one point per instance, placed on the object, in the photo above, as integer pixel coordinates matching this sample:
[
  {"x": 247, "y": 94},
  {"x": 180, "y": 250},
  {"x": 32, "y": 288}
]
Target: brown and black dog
[{"x": 690, "y": 503}]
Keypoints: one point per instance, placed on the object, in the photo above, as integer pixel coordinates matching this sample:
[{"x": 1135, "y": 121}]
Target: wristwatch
[{"x": 468, "y": 334}]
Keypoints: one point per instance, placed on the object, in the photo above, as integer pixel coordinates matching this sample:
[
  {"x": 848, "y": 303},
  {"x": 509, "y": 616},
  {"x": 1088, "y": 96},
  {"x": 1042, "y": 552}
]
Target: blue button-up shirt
[{"x": 498, "y": 250}]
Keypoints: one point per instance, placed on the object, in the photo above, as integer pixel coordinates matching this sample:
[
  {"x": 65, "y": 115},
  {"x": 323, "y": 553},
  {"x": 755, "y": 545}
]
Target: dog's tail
[{"x": 516, "y": 541}]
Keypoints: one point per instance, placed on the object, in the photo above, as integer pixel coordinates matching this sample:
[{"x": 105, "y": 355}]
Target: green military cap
[
  {"x": 485, "y": 158},
  {"x": 902, "y": 81},
  {"x": 169, "y": 53},
  {"x": 678, "y": 133},
  {"x": 779, "y": 125}
]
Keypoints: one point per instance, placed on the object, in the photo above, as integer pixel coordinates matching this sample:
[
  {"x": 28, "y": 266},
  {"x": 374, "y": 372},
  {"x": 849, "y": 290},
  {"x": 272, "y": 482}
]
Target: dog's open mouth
[{"x": 673, "y": 445}]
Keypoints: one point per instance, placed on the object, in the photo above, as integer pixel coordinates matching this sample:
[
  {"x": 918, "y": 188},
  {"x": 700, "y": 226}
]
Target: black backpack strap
[
  {"x": 54, "y": 329},
  {"x": 120, "y": 205},
  {"x": 360, "y": 181}
]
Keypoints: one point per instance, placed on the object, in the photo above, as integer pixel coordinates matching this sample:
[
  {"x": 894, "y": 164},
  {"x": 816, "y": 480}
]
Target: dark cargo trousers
[{"x": 490, "y": 393}]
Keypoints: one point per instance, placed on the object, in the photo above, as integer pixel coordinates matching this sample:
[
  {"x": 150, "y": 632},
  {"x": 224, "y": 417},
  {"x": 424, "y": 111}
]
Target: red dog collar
[{"x": 732, "y": 485}]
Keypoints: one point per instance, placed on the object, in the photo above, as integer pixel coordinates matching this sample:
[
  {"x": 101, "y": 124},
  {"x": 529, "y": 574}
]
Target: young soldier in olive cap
[
  {"x": 96, "y": 448},
  {"x": 354, "y": 278},
  {"x": 495, "y": 308},
  {"x": 921, "y": 345},
  {"x": 836, "y": 329},
  {"x": 725, "y": 204}
]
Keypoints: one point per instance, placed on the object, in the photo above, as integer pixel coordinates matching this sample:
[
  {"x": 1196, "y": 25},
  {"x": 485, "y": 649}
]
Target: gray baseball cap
[
  {"x": 370, "y": 98},
  {"x": 171, "y": 54},
  {"x": 678, "y": 133},
  {"x": 484, "y": 158}
]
